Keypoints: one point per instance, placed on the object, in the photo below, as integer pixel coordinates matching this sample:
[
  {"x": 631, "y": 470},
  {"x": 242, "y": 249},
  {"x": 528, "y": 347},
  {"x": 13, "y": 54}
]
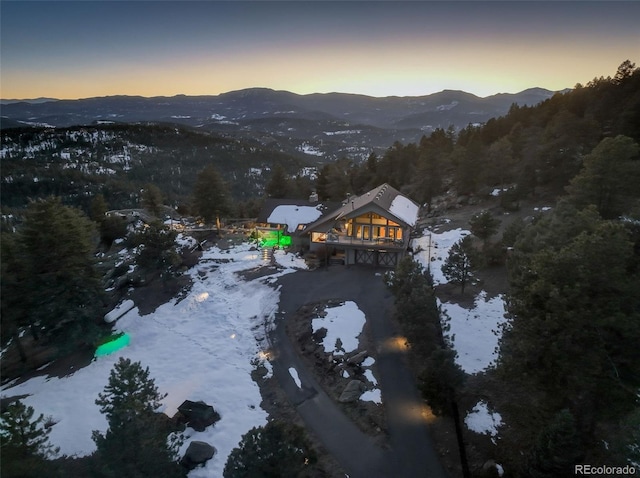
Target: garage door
[{"x": 366, "y": 257}]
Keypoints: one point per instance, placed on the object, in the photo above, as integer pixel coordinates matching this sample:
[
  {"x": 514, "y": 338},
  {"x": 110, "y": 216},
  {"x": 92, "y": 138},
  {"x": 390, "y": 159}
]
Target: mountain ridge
[{"x": 278, "y": 117}]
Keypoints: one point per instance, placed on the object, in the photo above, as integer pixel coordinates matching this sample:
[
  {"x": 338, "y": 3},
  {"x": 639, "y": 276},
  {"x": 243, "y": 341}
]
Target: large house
[{"x": 373, "y": 228}]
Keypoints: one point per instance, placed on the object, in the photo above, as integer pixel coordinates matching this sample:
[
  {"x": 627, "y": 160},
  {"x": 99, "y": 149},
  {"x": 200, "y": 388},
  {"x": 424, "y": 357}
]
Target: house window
[
  {"x": 318, "y": 237},
  {"x": 366, "y": 233},
  {"x": 395, "y": 233}
]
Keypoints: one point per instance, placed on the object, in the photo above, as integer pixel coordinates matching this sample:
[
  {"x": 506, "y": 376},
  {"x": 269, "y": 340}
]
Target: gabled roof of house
[
  {"x": 292, "y": 212},
  {"x": 385, "y": 197}
]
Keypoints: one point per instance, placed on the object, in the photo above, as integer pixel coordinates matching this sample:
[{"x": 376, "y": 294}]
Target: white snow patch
[
  {"x": 306, "y": 148},
  {"x": 344, "y": 322},
  {"x": 368, "y": 362},
  {"x": 481, "y": 420},
  {"x": 287, "y": 259},
  {"x": 294, "y": 375},
  {"x": 293, "y": 215},
  {"x": 476, "y": 331},
  {"x": 440, "y": 245},
  {"x": 369, "y": 375},
  {"x": 371, "y": 396},
  {"x": 345, "y": 131},
  {"x": 405, "y": 209}
]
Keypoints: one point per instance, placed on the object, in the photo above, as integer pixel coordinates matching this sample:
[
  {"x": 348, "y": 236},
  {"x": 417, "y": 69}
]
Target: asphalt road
[{"x": 412, "y": 453}]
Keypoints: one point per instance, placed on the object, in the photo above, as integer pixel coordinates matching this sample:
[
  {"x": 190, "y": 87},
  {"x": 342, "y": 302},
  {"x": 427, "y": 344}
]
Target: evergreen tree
[
  {"x": 24, "y": 442},
  {"x": 13, "y": 310},
  {"x": 610, "y": 177},
  {"x": 500, "y": 162},
  {"x": 152, "y": 200},
  {"x": 575, "y": 314},
  {"x": 408, "y": 276},
  {"x": 156, "y": 247},
  {"x": 277, "y": 450},
  {"x": 136, "y": 444},
  {"x": 428, "y": 181},
  {"x": 60, "y": 287},
  {"x": 483, "y": 225},
  {"x": 98, "y": 208},
  {"x": 466, "y": 170},
  {"x": 457, "y": 267},
  {"x": 278, "y": 185},
  {"x": 211, "y": 198},
  {"x": 441, "y": 380},
  {"x": 557, "y": 449}
]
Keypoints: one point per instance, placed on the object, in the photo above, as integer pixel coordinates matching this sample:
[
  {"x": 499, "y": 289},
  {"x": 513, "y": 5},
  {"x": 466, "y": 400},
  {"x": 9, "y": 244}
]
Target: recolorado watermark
[{"x": 604, "y": 470}]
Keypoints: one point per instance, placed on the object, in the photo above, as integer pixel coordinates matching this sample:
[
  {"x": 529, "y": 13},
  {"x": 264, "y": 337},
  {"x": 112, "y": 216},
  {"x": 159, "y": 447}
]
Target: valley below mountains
[{"x": 323, "y": 127}]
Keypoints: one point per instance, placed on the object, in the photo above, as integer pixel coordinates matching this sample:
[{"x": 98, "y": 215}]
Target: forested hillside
[
  {"x": 118, "y": 160},
  {"x": 524, "y": 152}
]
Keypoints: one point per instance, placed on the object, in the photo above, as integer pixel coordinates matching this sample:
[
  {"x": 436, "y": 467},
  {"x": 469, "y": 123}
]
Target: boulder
[
  {"x": 358, "y": 358},
  {"x": 197, "y": 415},
  {"x": 462, "y": 200},
  {"x": 197, "y": 454},
  {"x": 352, "y": 391}
]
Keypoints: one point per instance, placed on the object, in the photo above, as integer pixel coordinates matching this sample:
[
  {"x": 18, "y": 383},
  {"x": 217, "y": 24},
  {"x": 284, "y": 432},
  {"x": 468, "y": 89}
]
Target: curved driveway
[{"x": 412, "y": 453}]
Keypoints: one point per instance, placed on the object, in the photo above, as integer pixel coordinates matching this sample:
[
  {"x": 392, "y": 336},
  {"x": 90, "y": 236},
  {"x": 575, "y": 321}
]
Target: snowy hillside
[{"x": 203, "y": 347}]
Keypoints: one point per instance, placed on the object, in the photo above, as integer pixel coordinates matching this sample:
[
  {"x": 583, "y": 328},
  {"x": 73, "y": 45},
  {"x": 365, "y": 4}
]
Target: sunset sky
[{"x": 68, "y": 49}]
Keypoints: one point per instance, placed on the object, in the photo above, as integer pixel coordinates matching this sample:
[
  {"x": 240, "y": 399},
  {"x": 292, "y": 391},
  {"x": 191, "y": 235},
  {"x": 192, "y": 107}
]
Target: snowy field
[{"x": 200, "y": 348}]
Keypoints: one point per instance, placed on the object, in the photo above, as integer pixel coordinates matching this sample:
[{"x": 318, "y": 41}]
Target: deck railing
[{"x": 343, "y": 239}]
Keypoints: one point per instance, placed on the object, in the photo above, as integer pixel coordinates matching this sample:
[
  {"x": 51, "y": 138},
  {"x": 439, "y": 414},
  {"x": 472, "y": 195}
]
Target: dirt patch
[
  {"x": 159, "y": 291},
  {"x": 42, "y": 360}
]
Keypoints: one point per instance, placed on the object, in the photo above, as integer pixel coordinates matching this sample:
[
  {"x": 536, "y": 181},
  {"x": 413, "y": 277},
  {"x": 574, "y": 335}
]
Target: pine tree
[
  {"x": 557, "y": 448},
  {"x": 278, "y": 185},
  {"x": 24, "y": 442},
  {"x": 610, "y": 178},
  {"x": 98, "y": 208},
  {"x": 152, "y": 199},
  {"x": 61, "y": 289},
  {"x": 457, "y": 267},
  {"x": 575, "y": 320},
  {"x": 441, "y": 379},
  {"x": 156, "y": 248},
  {"x": 277, "y": 450},
  {"x": 136, "y": 444},
  {"x": 483, "y": 225},
  {"x": 210, "y": 196}
]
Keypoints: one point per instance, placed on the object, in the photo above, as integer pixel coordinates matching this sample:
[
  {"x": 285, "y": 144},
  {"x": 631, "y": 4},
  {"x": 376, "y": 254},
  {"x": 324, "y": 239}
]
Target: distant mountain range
[{"x": 327, "y": 125}]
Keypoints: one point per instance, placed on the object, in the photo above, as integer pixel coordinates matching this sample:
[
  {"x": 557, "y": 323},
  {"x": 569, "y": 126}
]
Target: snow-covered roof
[
  {"x": 405, "y": 209},
  {"x": 384, "y": 198},
  {"x": 292, "y": 215}
]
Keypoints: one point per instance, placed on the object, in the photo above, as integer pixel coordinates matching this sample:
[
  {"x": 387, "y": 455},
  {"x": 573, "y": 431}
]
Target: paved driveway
[{"x": 412, "y": 453}]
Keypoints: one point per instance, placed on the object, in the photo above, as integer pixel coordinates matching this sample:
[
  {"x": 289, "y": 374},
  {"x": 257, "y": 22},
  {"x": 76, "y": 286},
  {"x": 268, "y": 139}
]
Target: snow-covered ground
[
  {"x": 203, "y": 347},
  {"x": 475, "y": 331},
  {"x": 482, "y": 420},
  {"x": 344, "y": 323}
]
